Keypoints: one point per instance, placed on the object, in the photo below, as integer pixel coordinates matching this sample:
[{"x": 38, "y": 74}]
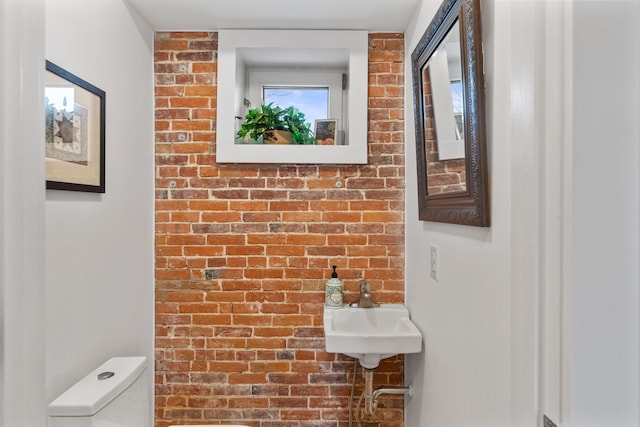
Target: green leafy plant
[{"x": 268, "y": 117}]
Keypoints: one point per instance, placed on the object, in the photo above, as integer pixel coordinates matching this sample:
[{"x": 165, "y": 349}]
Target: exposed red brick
[{"x": 243, "y": 252}]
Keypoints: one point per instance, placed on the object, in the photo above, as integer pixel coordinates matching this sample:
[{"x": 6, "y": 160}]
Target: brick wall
[{"x": 243, "y": 252}]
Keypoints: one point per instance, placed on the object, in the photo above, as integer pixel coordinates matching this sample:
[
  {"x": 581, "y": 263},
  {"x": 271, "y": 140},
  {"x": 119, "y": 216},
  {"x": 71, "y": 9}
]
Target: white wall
[
  {"x": 604, "y": 264},
  {"x": 99, "y": 248},
  {"x": 22, "y": 273},
  {"x": 463, "y": 376},
  {"x": 562, "y": 115}
]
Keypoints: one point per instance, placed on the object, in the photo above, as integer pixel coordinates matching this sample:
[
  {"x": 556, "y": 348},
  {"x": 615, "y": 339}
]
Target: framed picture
[
  {"x": 74, "y": 135},
  {"x": 326, "y": 131}
]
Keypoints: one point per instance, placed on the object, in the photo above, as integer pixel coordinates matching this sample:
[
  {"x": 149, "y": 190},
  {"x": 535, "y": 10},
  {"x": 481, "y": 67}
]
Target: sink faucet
[{"x": 365, "y": 300}]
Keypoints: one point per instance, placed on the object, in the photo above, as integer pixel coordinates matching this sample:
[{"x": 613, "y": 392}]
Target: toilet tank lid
[{"x": 98, "y": 388}]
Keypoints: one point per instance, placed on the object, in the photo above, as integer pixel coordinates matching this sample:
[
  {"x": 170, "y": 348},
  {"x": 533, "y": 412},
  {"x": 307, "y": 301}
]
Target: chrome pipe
[
  {"x": 368, "y": 391},
  {"x": 371, "y": 396},
  {"x": 388, "y": 390}
]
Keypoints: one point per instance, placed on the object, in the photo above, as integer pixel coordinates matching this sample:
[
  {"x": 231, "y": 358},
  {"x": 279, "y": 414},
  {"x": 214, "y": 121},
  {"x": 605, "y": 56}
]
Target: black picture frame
[{"x": 74, "y": 134}]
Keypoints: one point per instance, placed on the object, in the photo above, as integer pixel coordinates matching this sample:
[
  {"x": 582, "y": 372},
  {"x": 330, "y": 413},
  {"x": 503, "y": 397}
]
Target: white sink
[{"x": 371, "y": 334}]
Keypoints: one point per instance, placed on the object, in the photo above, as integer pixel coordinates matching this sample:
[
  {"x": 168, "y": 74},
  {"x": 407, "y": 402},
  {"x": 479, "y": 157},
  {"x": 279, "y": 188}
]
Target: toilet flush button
[{"x": 105, "y": 375}]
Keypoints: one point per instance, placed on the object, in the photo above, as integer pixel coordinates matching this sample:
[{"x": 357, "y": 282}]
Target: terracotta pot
[{"x": 277, "y": 136}]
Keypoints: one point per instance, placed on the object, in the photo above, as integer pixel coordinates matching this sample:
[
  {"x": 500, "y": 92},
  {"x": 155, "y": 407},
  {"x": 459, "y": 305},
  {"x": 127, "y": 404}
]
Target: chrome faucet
[{"x": 365, "y": 300}]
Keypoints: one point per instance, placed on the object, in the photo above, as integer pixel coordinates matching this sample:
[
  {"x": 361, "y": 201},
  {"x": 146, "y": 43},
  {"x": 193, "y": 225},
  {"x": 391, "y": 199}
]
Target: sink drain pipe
[{"x": 371, "y": 396}]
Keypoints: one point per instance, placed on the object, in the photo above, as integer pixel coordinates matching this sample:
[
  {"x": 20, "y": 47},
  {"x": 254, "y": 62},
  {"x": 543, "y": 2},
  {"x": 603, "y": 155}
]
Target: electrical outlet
[{"x": 434, "y": 262}]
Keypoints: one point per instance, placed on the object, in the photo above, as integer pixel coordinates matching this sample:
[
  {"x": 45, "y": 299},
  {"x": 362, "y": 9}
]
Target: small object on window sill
[{"x": 277, "y": 136}]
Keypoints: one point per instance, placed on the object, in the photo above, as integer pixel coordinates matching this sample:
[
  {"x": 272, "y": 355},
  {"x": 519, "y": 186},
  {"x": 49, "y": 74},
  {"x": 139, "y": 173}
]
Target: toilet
[{"x": 114, "y": 394}]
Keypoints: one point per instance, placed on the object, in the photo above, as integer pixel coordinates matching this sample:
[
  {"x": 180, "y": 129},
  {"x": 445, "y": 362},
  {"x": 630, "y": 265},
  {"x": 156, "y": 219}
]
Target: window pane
[
  {"x": 458, "y": 108},
  {"x": 313, "y": 102}
]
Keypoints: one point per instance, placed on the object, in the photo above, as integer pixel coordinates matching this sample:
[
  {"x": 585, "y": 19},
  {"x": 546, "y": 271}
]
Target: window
[
  {"x": 317, "y": 94},
  {"x": 306, "y": 66},
  {"x": 312, "y": 101}
]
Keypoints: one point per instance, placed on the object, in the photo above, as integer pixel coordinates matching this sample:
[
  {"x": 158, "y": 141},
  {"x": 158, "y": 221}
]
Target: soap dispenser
[{"x": 334, "y": 291}]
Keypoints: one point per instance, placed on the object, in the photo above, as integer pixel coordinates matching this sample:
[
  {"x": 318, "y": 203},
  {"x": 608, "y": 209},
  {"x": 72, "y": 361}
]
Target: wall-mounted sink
[{"x": 371, "y": 334}]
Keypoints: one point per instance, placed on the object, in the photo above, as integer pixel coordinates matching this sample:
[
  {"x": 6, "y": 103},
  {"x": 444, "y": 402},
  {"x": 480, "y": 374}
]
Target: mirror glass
[
  {"x": 442, "y": 94},
  {"x": 448, "y": 93}
]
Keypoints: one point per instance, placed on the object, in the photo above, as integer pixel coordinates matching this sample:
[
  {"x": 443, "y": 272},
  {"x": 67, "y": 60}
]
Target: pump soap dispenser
[{"x": 334, "y": 291}]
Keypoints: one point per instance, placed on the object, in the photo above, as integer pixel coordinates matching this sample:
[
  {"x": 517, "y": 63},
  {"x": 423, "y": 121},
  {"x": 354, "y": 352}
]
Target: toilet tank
[{"x": 115, "y": 395}]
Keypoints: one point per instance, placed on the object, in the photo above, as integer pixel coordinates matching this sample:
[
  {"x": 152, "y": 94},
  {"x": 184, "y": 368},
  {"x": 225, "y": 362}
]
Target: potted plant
[{"x": 276, "y": 125}]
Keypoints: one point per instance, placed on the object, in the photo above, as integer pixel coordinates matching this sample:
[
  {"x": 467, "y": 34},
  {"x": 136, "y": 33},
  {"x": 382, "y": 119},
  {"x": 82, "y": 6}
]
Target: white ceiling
[{"x": 211, "y": 15}]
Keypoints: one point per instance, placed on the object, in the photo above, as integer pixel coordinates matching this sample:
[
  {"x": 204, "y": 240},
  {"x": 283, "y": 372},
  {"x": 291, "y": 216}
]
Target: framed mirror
[{"x": 448, "y": 95}]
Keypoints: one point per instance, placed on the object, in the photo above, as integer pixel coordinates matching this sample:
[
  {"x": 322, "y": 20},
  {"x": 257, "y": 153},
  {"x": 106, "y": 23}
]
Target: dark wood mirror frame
[{"x": 470, "y": 206}]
